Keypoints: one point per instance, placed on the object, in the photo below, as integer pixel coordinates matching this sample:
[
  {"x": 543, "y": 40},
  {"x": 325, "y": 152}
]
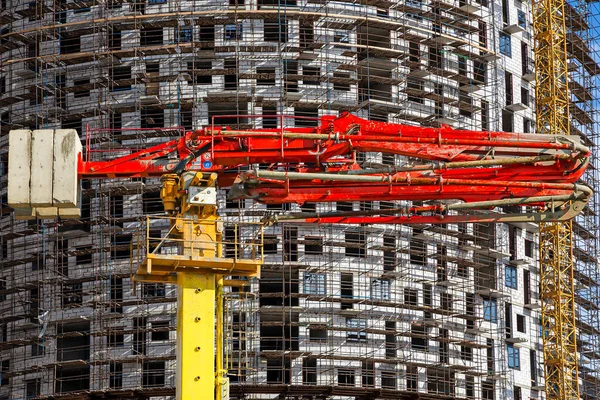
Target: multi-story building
[{"x": 340, "y": 311}]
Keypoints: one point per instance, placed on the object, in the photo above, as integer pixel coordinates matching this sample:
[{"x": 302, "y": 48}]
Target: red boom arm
[{"x": 319, "y": 165}]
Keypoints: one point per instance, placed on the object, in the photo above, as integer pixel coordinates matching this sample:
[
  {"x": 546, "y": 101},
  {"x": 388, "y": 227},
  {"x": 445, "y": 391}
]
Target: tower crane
[
  {"x": 459, "y": 173},
  {"x": 557, "y": 280}
]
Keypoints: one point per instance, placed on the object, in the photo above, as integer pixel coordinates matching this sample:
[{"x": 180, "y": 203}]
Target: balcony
[
  {"x": 516, "y": 107},
  {"x": 514, "y": 28}
]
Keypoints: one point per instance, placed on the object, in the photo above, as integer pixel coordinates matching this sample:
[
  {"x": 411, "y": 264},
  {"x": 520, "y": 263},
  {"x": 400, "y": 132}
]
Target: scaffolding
[{"x": 343, "y": 312}]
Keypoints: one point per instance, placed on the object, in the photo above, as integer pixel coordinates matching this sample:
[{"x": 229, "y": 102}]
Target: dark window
[
  {"x": 4, "y": 368},
  {"x": 355, "y": 244},
  {"x": 527, "y": 126},
  {"x": 2, "y": 289},
  {"x": 444, "y": 343},
  {"x": 527, "y": 286},
  {"x": 290, "y": 243},
  {"x": 462, "y": 270},
  {"x": 307, "y": 34},
  {"x": 466, "y": 353},
  {"x": 313, "y": 245},
  {"x": 485, "y": 118},
  {"x": 470, "y": 387},
  {"x": 276, "y": 30},
  {"x": 230, "y": 77},
  {"x": 32, "y": 388},
  {"x": 347, "y": 290},
  {"x": 341, "y": 81},
  {"x": 525, "y": 96},
  {"x": 412, "y": 378},
  {"x": 317, "y": 334},
  {"x": 418, "y": 248},
  {"x": 508, "y": 121},
  {"x": 390, "y": 339},
  {"x": 120, "y": 78},
  {"x": 419, "y": 337},
  {"x": 508, "y": 87},
  {"x": 114, "y": 39},
  {"x": 83, "y": 255},
  {"x": 311, "y": 72},
  {"x": 150, "y": 36},
  {"x": 505, "y": 12},
  {"x": 207, "y": 34},
  {"x": 154, "y": 290},
  {"x": 154, "y": 374},
  {"x": 138, "y": 7},
  {"x": 309, "y": 371},
  {"x": 427, "y": 295},
  {"x": 276, "y": 3},
  {"x": 533, "y": 367},
  {"x": 121, "y": 246},
  {"x": 487, "y": 390},
  {"x": 270, "y": 244},
  {"x": 198, "y": 72},
  {"x": 528, "y": 247},
  {"x": 115, "y": 338},
  {"x": 411, "y": 296},
  {"x": 116, "y": 376},
  {"x": 269, "y": 117},
  {"x": 479, "y": 71},
  {"x": 446, "y": 301},
  {"x": 388, "y": 380},
  {"x": 389, "y": 252},
  {"x": 310, "y": 117},
  {"x": 72, "y": 294},
  {"x": 346, "y": 377},
  {"x": 483, "y": 42},
  {"x": 521, "y": 323},
  {"x": 367, "y": 373},
  {"x": 37, "y": 350},
  {"x": 490, "y": 356},
  {"x": 160, "y": 330},
  {"x": 152, "y": 118},
  {"x": 265, "y": 76},
  {"x": 72, "y": 347},
  {"x": 70, "y": 44},
  {"x": 38, "y": 262},
  {"x": 116, "y": 294},
  {"x": 152, "y": 203}
]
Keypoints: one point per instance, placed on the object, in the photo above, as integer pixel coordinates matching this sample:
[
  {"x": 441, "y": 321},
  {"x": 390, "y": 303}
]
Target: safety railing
[{"x": 159, "y": 238}]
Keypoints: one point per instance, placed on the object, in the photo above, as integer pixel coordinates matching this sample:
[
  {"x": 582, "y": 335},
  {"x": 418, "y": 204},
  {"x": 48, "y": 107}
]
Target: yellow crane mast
[{"x": 557, "y": 283}]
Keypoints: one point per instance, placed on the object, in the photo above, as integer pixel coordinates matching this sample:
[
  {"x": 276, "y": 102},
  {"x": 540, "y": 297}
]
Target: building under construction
[{"x": 340, "y": 312}]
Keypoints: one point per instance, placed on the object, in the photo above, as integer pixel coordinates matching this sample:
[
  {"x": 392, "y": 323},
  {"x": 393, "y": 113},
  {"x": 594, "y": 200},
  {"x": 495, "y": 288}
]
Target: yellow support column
[
  {"x": 221, "y": 381},
  {"x": 195, "y": 336}
]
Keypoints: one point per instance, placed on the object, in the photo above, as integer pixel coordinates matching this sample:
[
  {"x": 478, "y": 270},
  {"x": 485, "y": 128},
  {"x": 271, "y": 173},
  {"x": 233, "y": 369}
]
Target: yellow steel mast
[{"x": 557, "y": 287}]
